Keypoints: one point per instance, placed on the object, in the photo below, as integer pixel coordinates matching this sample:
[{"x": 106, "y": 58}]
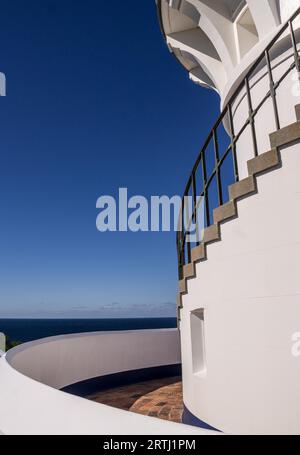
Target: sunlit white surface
[{"x": 31, "y": 374}]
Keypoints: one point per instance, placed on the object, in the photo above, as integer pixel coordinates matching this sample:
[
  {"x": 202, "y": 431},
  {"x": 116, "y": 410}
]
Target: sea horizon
[
  {"x": 23, "y": 330},
  {"x": 81, "y": 318}
]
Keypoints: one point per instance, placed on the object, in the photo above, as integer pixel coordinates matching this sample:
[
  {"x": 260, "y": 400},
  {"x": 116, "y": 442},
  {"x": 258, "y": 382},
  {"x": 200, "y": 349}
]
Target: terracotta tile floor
[{"x": 160, "y": 398}]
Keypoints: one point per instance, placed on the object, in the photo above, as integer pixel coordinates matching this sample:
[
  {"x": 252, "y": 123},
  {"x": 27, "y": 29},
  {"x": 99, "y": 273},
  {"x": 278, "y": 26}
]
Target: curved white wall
[
  {"x": 249, "y": 289},
  {"x": 65, "y": 360},
  {"x": 31, "y": 374}
]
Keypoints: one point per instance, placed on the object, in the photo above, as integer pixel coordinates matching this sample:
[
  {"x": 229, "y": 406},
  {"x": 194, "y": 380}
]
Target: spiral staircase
[
  {"x": 263, "y": 161},
  {"x": 238, "y": 252}
]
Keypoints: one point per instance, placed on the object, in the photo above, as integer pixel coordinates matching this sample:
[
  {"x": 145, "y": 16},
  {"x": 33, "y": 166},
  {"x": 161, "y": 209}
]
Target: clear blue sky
[{"x": 94, "y": 102}]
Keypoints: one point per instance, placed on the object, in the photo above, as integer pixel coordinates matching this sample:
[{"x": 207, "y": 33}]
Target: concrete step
[{"x": 264, "y": 162}]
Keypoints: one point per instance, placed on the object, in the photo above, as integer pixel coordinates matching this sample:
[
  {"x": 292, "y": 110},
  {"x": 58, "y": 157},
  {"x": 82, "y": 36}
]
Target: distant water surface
[{"x": 23, "y": 330}]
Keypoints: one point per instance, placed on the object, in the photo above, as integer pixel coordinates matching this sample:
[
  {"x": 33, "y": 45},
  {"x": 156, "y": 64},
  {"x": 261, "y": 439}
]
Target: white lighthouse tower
[{"x": 239, "y": 300}]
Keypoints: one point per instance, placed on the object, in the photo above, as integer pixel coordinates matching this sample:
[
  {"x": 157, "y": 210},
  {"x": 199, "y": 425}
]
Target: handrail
[{"x": 184, "y": 246}]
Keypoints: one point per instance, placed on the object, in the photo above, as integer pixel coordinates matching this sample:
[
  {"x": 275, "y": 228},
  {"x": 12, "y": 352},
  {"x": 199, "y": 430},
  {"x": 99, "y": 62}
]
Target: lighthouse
[{"x": 239, "y": 286}]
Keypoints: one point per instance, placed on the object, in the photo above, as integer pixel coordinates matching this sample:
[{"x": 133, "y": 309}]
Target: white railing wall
[{"x": 31, "y": 374}]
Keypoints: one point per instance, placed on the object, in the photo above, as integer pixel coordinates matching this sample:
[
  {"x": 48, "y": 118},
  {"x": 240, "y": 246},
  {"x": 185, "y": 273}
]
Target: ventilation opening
[
  {"x": 198, "y": 342},
  {"x": 246, "y": 32}
]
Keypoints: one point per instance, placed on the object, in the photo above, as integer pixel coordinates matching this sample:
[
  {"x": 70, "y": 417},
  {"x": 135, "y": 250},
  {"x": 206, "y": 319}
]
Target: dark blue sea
[{"x": 22, "y": 330}]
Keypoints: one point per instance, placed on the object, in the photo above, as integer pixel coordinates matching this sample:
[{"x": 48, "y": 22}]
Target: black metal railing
[{"x": 219, "y": 151}]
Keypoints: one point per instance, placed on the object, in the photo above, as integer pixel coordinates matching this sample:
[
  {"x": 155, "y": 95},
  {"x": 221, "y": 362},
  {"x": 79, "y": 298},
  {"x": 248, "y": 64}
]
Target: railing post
[
  {"x": 187, "y": 243},
  {"x": 206, "y": 201},
  {"x": 195, "y": 208},
  {"x": 217, "y": 158},
  {"x": 251, "y": 116},
  {"x": 233, "y": 146},
  {"x": 296, "y": 53},
  {"x": 181, "y": 243},
  {"x": 194, "y": 186},
  {"x": 272, "y": 90}
]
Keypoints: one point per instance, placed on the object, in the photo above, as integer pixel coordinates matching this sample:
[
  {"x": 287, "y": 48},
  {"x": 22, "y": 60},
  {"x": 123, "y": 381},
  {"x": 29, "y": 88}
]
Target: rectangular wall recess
[{"x": 198, "y": 342}]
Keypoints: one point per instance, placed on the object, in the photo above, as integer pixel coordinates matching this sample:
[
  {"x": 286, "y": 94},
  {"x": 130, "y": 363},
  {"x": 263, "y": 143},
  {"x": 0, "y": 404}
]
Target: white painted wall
[
  {"x": 250, "y": 292},
  {"x": 35, "y": 406}
]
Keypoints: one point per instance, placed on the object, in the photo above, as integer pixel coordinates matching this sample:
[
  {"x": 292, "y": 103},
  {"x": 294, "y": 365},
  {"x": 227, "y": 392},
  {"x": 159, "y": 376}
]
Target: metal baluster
[
  {"x": 182, "y": 236},
  {"x": 179, "y": 253},
  {"x": 296, "y": 53},
  {"x": 194, "y": 197},
  {"x": 205, "y": 189},
  {"x": 195, "y": 208},
  {"x": 233, "y": 146},
  {"x": 187, "y": 229},
  {"x": 272, "y": 90},
  {"x": 251, "y": 117},
  {"x": 219, "y": 183}
]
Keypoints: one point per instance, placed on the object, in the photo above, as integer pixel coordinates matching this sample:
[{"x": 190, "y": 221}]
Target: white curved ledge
[{"x": 31, "y": 374}]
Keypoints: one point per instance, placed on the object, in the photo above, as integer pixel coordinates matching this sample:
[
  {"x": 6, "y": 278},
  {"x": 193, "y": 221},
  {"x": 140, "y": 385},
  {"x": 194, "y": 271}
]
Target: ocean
[{"x": 22, "y": 330}]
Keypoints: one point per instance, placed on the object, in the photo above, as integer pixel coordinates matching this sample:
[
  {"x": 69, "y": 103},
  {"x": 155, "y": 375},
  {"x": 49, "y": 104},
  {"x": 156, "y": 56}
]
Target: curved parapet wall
[
  {"x": 31, "y": 374},
  {"x": 64, "y": 360}
]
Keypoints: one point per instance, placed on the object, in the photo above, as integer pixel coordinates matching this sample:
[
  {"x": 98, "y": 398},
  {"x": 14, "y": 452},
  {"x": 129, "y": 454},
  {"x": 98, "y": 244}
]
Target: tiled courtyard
[{"x": 161, "y": 398}]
